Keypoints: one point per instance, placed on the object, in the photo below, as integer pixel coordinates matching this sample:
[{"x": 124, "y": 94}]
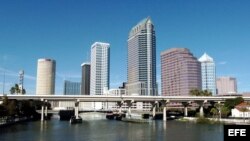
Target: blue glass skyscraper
[{"x": 208, "y": 73}]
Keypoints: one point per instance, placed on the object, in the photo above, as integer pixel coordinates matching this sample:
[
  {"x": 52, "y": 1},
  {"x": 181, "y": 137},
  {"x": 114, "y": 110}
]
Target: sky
[{"x": 64, "y": 30}]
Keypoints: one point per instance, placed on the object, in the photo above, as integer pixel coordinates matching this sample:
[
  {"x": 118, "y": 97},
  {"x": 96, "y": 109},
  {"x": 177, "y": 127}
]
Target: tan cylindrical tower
[{"x": 45, "y": 81}]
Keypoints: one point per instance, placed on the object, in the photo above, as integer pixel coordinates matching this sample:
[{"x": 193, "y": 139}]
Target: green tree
[
  {"x": 231, "y": 103},
  {"x": 214, "y": 112},
  {"x": 206, "y": 93},
  {"x": 16, "y": 90},
  {"x": 5, "y": 101},
  {"x": 12, "y": 108},
  {"x": 225, "y": 111},
  {"x": 197, "y": 92},
  {"x": 3, "y": 111},
  {"x": 24, "y": 91},
  {"x": 26, "y": 108},
  {"x": 12, "y": 90},
  {"x": 244, "y": 109}
]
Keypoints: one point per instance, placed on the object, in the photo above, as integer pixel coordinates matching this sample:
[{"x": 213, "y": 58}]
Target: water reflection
[
  {"x": 43, "y": 126},
  {"x": 164, "y": 126},
  {"x": 95, "y": 127}
]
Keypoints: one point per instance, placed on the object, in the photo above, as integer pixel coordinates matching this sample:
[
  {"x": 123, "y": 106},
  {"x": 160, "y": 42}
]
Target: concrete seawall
[{"x": 224, "y": 120}]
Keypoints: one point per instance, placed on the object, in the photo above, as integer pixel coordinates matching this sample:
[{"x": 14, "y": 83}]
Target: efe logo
[{"x": 236, "y": 132}]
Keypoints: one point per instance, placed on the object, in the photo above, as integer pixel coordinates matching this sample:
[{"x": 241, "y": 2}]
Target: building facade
[
  {"x": 142, "y": 59},
  {"x": 241, "y": 110},
  {"x": 117, "y": 92},
  {"x": 85, "y": 87},
  {"x": 208, "y": 73},
  {"x": 45, "y": 82},
  {"x": 226, "y": 85},
  {"x": 99, "y": 71},
  {"x": 180, "y": 72},
  {"x": 71, "y": 88}
]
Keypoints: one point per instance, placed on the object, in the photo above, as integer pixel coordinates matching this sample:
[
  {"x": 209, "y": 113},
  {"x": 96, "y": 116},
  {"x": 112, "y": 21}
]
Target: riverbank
[
  {"x": 217, "y": 120},
  {"x": 6, "y": 121}
]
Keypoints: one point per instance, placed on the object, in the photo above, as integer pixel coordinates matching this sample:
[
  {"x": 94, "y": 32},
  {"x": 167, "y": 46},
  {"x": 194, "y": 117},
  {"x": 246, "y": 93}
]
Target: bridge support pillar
[
  {"x": 201, "y": 111},
  {"x": 186, "y": 111},
  {"x": 164, "y": 113},
  {"x": 164, "y": 104},
  {"x": 129, "y": 104},
  {"x": 201, "y": 104},
  {"x": 185, "y": 104},
  {"x": 154, "y": 104},
  {"x": 77, "y": 108},
  {"x": 120, "y": 103},
  {"x": 46, "y": 109},
  {"x": 42, "y": 110}
]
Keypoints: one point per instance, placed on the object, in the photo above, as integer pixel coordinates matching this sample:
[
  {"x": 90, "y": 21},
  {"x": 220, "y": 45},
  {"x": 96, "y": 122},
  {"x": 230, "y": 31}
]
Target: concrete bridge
[{"x": 129, "y": 100}]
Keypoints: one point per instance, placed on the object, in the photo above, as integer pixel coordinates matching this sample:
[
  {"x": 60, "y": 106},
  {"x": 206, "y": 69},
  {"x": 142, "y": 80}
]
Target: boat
[
  {"x": 110, "y": 115},
  {"x": 117, "y": 117},
  {"x": 74, "y": 120}
]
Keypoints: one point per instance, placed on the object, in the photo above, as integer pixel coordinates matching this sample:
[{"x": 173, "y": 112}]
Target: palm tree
[
  {"x": 12, "y": 90},
  {"x": 16, "y": 90},
  {"x": 206, "y": 93},
  {"x": 195, "y": 92},
  {"x": 214, "y": 111},
  {"x": 219, "y": 106}
]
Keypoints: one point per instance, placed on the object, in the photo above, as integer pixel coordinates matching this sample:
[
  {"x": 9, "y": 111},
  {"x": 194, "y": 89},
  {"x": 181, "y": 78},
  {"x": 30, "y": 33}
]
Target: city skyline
[{"x": 36, "y": 30}]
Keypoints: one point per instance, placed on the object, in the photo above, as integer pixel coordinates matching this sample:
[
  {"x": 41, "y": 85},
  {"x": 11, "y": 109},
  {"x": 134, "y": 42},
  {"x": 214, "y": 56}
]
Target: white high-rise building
[
  {"x": 45, "y": 82},
  {"x": 208, "y": 73},
  {"x": 99, "y": 72}
]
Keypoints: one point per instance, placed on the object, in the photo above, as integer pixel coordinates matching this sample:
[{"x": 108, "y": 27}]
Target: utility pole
[
  {"x": 21, "y": 76},
  {"x": 3, "y": 80}
]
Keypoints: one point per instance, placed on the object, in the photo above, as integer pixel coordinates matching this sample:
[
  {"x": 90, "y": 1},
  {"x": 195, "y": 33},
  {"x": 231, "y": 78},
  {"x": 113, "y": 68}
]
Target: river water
[{"x": 96, "y": 128}]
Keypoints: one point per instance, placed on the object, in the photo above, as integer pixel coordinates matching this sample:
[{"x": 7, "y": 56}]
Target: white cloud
[
  {"x": 68, "y": 75},
  {"x": 222, "y": 63},
  {"x": 7, "y": 72}
]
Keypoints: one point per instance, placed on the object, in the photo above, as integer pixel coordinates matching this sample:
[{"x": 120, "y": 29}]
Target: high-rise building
[
  {"x": 85, "y": 87},
  {"x": 99, "y": 72},
  {"x": 142, "y": 59},
  {"x": 208, "y": 77},
  {"x": 71, "y": 88},
  {"x": 45, "y": 82},
  {"x": 226, "y": 85},
  {"x": 180, "y": 72}
]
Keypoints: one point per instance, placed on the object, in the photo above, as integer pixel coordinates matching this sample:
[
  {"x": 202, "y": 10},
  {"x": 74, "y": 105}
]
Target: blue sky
[{"x": 64, "y": 30}]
